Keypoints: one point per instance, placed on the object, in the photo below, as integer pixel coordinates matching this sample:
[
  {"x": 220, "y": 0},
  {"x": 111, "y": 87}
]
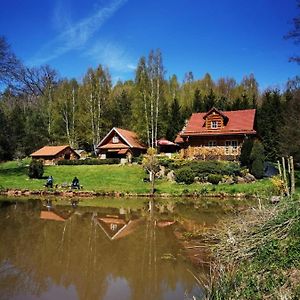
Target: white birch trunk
[
  {"x": 152, "y": 112},
  {"x": 146, "y": 117},
  {"x": 91, "y": 108},
  {"x": 157, "y": 108},
  {"x": 67, "y": 124},
  {"x": 73, "y": 119},
  {"x": 49, "y": 112}
]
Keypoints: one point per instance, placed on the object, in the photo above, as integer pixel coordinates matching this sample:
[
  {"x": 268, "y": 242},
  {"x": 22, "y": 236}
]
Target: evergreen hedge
[
  {"x": 185, "y": 175},
  {"x": 93, "y": 161}
]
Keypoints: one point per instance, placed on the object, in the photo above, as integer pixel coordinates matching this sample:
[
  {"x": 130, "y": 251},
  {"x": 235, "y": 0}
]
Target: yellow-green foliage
[{"x": 278, "y": 185}]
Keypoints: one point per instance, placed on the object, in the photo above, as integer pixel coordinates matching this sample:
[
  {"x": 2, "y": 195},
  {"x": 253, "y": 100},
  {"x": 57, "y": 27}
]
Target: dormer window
[
  {"x": 214, "y": 124},
  {"x": 115, "y": 139}
]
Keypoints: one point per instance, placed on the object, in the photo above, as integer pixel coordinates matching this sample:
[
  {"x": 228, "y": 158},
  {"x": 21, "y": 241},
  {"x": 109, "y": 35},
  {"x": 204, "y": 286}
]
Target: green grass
[{"x": 115, "y": 178}]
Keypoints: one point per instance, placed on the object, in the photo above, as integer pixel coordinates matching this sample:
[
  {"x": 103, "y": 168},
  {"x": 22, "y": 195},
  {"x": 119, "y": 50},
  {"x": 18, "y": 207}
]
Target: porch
[{"x": 211, "y": 152}]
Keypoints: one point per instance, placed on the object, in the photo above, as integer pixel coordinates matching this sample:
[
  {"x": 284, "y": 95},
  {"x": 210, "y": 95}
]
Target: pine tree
[
  {"x": 176, "y": 121},
  {"x": 257, "y": 158},
  {"x": 269, "y": 122},
  {"x": 198, "y": 105},
  {"x": 246, "y": 152},
  {"x": 209, "y": 100}
]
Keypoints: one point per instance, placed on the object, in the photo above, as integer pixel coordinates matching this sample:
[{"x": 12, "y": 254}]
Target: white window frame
[
  {"x": 231, "y": 147},
  {"x": 234, "y": 145},
  {"x": 212, "y": 143},
  {"x": 115, "y": 139},
  {"x": 214, "y": 124},
  {"x": 113, "y": 227}
]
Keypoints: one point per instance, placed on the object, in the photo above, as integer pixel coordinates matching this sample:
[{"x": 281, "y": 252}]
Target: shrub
[
  {"x": 214, "y": 178},
  {"x": 257, "y": 160},
  {"x": 36, "y": 169},
  {"x": 246, "y": 152},
  {"x": 165, "y": 162},
  {"x": 138, "y": 159},
  {"x": 185, "y": 175},
  {"x": 90, "y": 161},
  {"x": 204, "y": 168}
]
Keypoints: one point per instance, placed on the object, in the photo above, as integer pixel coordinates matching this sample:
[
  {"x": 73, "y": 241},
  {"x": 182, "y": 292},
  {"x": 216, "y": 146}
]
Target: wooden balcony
[{"x": 212, "y": 153}]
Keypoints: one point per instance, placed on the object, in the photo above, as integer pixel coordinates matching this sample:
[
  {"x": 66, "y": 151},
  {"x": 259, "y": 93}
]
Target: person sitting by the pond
[
  {"x": 75, "y": 183},
  {"x": 49, "y": 182}
]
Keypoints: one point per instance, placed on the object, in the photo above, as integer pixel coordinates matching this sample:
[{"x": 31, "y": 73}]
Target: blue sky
[{"x": 222, "y": 37}]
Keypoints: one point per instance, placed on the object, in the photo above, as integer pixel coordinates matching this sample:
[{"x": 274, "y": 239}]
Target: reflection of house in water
[
  {"x": 54, "y": 216},
  {"x": 165, "y": 223},
  {"x": 116, "y": 226}
]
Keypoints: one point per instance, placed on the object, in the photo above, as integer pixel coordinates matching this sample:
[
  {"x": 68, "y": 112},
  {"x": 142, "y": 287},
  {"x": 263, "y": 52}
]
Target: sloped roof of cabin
[
  {"x": 239, "y": 122},
  {"x": 165, "y": 142},
  {"x": 129, "y": 137},
  {"x": 50, "y": 215},
  {"x": 51, "y": 150}
]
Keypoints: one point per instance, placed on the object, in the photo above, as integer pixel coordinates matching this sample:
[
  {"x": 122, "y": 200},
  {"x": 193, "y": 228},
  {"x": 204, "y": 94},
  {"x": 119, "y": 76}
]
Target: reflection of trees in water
[{"x": 76, "y": 251}]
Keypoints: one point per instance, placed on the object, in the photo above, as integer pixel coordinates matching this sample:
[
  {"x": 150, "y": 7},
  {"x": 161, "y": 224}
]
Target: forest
[{"x": 38, "y": 107}]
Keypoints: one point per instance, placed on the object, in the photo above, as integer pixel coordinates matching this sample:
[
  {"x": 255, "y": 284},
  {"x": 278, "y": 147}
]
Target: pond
[{"x": 61, "y": 250}]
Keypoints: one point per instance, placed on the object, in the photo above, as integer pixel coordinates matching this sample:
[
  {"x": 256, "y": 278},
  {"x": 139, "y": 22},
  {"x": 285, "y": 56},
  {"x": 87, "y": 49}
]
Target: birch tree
[
  {"x": 141, "y": 107},
  {"x": 66, "y": 106},
  {"x": 96, "y": 91},
  {"x": 150, "y": 88}
]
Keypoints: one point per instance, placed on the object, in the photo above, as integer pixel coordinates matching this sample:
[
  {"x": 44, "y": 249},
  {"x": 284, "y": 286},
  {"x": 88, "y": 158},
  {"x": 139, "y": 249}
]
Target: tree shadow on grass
[{"x": 14, "y": 171}]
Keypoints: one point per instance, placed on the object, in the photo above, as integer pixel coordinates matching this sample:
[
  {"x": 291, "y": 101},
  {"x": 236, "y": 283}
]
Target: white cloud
[
  {"x": 111, "y": 55},
  {"x": 76, "y": 36}
]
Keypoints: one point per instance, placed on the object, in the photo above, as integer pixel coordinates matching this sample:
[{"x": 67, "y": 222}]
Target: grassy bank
[
  {"x": 258, "y": 256},
  {"x": 115, "y": 178}
]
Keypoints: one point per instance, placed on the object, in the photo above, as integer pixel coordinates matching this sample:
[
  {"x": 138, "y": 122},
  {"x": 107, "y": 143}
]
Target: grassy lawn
[{"x": 110, "y": 178}]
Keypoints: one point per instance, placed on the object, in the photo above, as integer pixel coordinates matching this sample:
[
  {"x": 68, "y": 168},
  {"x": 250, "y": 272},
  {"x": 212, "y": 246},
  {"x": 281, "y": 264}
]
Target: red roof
[
  {"x": 165, "y": 142},
  {"x": 129, "y": 137},
  {"x": 50, "y": 215},
  {"x": 50, "y": 150},
  {"x": 178, "y": 139},
  {"x": 239, "y": 122}
]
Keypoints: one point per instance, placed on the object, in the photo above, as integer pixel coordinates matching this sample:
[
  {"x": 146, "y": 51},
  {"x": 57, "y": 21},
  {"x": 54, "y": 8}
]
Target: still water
[{"x": 52, "y": 250}]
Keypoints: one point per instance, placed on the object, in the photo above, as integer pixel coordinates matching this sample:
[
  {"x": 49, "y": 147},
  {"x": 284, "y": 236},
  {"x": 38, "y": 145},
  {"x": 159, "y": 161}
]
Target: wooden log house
[{"x": 216, "y": 134}]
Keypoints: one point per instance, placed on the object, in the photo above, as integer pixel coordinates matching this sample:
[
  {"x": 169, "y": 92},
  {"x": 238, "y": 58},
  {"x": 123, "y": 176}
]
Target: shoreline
[{"x": 93, "y": 194}]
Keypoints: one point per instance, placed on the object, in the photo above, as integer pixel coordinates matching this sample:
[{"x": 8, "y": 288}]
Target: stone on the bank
[
  {"x": 171, "y": 176},
  {"x": 249, "y": 177}
]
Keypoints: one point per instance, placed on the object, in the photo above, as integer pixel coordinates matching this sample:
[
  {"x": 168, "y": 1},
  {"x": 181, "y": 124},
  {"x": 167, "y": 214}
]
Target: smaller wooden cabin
[
  {"x": 166, "y": 147},
  {"x": 50, "y": 155},
  {"x": 120, "y": 143}
]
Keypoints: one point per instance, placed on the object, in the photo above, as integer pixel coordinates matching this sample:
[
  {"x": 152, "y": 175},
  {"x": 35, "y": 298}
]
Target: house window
[
  {"x": 212, "y": 143},
  {"x": 115, "y": 139},
  {"x": 234, "y": 145},
  {"x": 113, "y": 227},
  {"x": 231, "y": 147},
  {"x": 214, "y": 124}
]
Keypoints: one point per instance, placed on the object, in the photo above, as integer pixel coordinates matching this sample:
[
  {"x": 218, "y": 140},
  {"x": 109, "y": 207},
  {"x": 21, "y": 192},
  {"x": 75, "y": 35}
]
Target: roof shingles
[
  {"x": 129, "y": 137},
  {"x": 49, "y": 150},
  {"x": 239, "y": 122}
]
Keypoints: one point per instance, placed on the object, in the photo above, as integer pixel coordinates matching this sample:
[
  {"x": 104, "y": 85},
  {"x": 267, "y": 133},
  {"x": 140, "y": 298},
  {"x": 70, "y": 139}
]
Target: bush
[
  {"x": 257, "y": 160},
  {"x": 165, "y": 162},
  {"x": 89, "y": 161},
  {"x": 204, "y": 168},
  {"x": 36, "y": 169},
  {"x": 138, "y": 159},
  {"x": 214, "y": 178},
  {"x": 185, "y": 175},
  {"x": 246, "y": 152}
]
